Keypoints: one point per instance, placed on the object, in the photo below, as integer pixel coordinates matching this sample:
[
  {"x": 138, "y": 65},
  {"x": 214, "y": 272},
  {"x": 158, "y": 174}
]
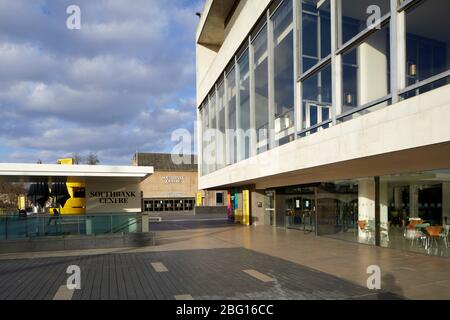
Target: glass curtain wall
[
  {"x": 365, "y": 79},
  {"x": 213, "y": 130},
  {"x": 366, "y": 72},
  {"x": 416, "y": 210},
  {"x": 427, "y": 44},
  {"x": 355, "y": 16},
  {"x": 232, "y": 116},
  {"x": 346, "y": 211},
  {"x": 298, "y": 205},
  {"x": 316, "y": 32},
  {"x": 366, "y": 60},
  {"x": 244, "y": 106},
  {"x": 221, "y": 141},
  {"x": 205, "y": 142},
  {"x": 317, "y": 99},
  {"x": 315, "y": 51},
  {"x": 284, "y": 82},
  {"x": 261, "y": 90}
]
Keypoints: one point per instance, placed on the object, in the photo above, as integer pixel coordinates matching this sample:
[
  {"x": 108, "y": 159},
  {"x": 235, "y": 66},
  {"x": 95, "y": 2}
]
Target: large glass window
[
  {"x": 356, "y": 15},
  {"x": 244, "y": 106},
  {"x": 316, "y": 32},
  {"x": 232, "y": 120},
  {"x": 205, "y": 144},
  {"x": 415, "y": 212},
  {"x": 221, "y": 146},
  {"x": 427, "y": 43},
  {"x": 346, "y": 210},
  {"x": 213, "y": 127},
  {"x": 261, "y": 91},
  {"x": 283, "y": 39},
  {"x": 366, "y": 71},
  {"x": 317, "y": 99}
]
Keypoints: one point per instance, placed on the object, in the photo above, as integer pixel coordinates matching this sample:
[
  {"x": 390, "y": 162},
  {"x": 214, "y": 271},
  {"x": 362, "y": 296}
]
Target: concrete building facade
[
  {"x": 173, "y": 186},
  {"x": 333, "y": 114}
]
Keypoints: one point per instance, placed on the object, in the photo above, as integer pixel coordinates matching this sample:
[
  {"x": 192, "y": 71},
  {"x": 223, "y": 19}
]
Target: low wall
[{"x": 78, "y": 243}]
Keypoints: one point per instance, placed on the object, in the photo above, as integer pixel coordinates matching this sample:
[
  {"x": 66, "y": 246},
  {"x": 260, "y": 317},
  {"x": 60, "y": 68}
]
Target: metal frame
[
  {"x": 425, "y": 82},
  {"x": 363, "y": 107}
]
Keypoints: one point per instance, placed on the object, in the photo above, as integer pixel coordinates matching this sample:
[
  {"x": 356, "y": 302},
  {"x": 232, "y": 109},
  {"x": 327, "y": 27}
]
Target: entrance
[{"x": 270, "y": 213}]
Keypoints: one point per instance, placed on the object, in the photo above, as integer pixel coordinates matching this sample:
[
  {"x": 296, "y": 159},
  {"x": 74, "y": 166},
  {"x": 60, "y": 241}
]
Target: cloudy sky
[{"x": 122, "y": 83}]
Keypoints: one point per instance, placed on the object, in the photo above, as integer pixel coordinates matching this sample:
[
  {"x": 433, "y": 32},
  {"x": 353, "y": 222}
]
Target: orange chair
[{"x": 433, "y": 235}]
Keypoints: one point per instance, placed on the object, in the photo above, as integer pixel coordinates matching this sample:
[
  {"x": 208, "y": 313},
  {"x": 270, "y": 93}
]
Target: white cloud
[{"x": 121, "y": 84}]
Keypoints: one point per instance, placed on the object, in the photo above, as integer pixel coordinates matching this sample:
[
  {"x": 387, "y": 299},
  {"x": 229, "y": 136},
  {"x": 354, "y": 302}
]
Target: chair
[
  {"x": 413, "y": 232},
  {"x": 434, "y": 234},
  {"x": 365, "y": 228},
  {"x": 444, "y": 234}
]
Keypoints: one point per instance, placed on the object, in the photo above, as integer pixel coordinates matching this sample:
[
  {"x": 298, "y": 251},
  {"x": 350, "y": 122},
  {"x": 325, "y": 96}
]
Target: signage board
[{"x": 113, "y": 198}]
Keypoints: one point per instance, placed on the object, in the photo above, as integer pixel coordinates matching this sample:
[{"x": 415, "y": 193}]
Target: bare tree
[
  {"x": 92, "y": 159},
  {"x": 77, "y": 158},
  {"x": 9, "y": 192}
]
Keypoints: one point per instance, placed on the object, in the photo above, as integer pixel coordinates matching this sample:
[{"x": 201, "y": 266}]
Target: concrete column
[
  {"x": 446, "y": 202},
  {"x": 366, "y": 203},
  {"x": 336, "y": 61},
  {"x": 373, "y": 63},
  {"x": 384, "y": 203},
  {"x": 414, "y": 201},
  {"x": 384, "y": 213}
]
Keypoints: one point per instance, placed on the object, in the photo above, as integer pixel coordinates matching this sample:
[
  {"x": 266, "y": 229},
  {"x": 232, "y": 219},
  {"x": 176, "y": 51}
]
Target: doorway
[{"x": 270, "y": 212}]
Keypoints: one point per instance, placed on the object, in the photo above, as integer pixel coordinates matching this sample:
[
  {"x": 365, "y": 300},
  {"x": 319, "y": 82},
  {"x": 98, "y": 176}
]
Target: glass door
[{"x": 270, "y": 213}]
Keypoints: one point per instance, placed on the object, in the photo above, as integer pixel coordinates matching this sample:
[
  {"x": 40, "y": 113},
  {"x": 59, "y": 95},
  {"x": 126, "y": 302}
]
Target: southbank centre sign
[
  {"x": 113, "y": 197},
  {"x": 110, "y": 197}
]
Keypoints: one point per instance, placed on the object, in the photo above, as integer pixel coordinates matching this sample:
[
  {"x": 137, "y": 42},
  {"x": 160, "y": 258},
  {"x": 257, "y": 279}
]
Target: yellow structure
[
  {"x": 76, "y": 205},
  {"x": 246, "y": 207},
  {"x": 21, "y": 202},
  {"x": 199, "y": 199},
  {"x": 66, "y": 161}
]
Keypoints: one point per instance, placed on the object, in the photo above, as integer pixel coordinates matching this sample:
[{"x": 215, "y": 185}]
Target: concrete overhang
[
  {"x": 211, "y": 29},
  {"x": 19, "y": 172}
]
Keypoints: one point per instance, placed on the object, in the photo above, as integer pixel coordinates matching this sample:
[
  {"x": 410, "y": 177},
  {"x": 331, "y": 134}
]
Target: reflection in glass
[
  {"x": 316, "y": 32},
  {"x": 213, "y": 127},
  {"x": 232, "y": 122},
  {"x": 355, "y": 17},
  {"x": 261, "y": 91},
  {"x": 427, "y": 43},
  {"x": 284, "y": 72},
  {"x": 346, "y": 210},
  {"x": 244, "y": 105},
  {"x": 298, "y": 205},
  {"x": 416, "y": 210},
  {"x": 366, "y": 71},
  {"x": 221, "y": 146},
  {"x": 205, "y": 127},
  {"x": 317, "y": 99}
]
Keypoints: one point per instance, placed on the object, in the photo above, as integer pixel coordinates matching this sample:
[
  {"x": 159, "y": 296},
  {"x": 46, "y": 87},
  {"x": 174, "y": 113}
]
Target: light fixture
[
  {"x": 413, "y": 70},
  {"x": 349, "y": 98}
]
